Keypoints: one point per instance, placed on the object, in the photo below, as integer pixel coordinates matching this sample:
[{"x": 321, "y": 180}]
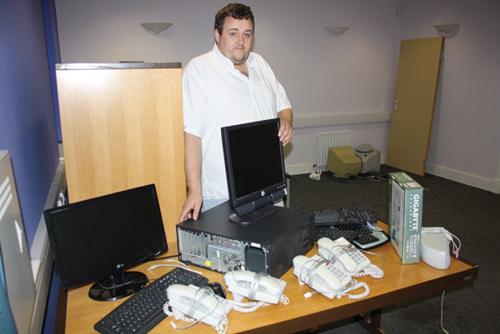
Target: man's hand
[
  {"x": 191, "y": 208},
  {"x": 192, "y": 162},
  {"x": 286, "y": 131}
]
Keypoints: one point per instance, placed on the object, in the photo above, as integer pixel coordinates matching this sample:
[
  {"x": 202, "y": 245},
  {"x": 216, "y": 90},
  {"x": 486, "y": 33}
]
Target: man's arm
[
  {"x": 192, "y": 162},
  {"x": 286, "y": 130}
]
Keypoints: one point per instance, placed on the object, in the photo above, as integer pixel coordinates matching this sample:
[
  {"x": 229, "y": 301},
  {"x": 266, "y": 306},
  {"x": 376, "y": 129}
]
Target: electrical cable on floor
[
  {"x": 442, "y": 313},
  {"x": 375, "y": 178},
  {"x": 331, "y": 176}
]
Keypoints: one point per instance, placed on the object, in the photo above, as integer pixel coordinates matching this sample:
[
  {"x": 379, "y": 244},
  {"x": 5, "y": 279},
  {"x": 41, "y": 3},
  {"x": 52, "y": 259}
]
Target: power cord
[
  {"x": 174, "y": 263},
  {"x": 333, "y": 177},
  {"x": 442, "y": 313},
  {"x": 374, "y": 178}
]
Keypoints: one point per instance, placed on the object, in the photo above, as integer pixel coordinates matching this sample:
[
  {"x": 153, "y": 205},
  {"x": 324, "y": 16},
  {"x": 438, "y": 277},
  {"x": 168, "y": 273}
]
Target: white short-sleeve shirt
[{"x": 215, "y": 94}]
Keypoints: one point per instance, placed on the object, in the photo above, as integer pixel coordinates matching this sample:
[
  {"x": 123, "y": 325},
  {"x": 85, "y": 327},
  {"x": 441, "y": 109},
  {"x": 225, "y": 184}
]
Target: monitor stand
[
  {"x": 253, "y": 216},
  {"x": 118, "y": 285}
]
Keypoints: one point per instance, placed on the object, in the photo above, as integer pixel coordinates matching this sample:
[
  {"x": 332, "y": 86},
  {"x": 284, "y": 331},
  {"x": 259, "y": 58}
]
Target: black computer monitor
[
  {"x": 100, "y": 238},
  {"x": 255, "y": 168}
]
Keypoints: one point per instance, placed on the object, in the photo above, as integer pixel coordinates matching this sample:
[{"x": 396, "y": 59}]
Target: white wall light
[
  {"x": 446, "y": 28},
  {"x": 156, "y": 27},
  {"x": 335, "y": 31}
]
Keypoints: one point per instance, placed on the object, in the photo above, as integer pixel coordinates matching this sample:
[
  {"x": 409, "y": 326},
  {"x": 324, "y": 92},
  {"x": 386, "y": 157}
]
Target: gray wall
[{"x": 350, "y": 75}]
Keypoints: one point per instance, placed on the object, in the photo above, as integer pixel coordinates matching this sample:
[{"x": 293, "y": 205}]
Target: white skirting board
[
  {"x": 446, "y": 173},
  {"x": 307, "y": 168},
  {"x": 464, "y": 178},
  {"x": 41, "y": 255}
]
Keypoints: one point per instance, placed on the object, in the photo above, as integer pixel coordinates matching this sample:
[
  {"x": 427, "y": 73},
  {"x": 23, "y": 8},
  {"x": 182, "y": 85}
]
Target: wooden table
[{"x": 400, "y": 282}]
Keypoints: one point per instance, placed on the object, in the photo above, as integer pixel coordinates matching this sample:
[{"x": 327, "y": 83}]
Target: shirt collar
[{"x": 228, "y": 63}]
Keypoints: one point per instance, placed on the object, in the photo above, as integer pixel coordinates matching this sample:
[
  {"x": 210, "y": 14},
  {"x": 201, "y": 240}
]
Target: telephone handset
[
  {"x": 197, "y": 303},
  {"x": 353, "y": 261},
  {"x": 327, "y": 278},
  {"x": 320, "y": 274},
  {"x": 254, "y": 286}
]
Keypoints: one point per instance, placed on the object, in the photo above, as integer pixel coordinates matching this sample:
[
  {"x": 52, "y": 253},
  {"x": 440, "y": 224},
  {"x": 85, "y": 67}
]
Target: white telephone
[
  {"x": 254, "y": 286},
  {"x": 320, "y": 274},
  {"x": 354, "y": 262},
  {"x": 329, "y": 279},
  {"x": 200, "y": 304}
]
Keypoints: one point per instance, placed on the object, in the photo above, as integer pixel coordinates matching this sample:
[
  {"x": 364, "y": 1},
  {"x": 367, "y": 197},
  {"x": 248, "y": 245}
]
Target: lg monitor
[
  {"x": 100, "y": 238},
  {"x": 255, "y": 168}
]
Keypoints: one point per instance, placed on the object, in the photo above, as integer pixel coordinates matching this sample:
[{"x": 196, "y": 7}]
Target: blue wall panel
[{"x": 27, "y": 122}]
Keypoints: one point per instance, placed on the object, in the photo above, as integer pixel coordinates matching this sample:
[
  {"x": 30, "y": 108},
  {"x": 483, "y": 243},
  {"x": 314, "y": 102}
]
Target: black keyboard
[
  {"x": 326, "y": 217},
  {"x": 357, "y": 226},
  {"x": 144, "y": 310},
  {"x": 349, "y": 231},
  {"x": 356, "y": 215}
]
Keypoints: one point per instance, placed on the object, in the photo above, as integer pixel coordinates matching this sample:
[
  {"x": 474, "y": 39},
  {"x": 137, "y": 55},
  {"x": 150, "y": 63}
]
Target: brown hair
[{"x": 235, "y": 10}]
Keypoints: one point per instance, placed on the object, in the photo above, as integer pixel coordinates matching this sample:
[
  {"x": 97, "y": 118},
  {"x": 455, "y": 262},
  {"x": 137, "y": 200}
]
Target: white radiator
[{"x": 325, "y": 140}]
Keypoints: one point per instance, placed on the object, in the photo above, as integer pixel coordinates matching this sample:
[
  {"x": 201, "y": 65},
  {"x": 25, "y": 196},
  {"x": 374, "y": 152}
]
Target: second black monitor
[{"x": 255, "y": 167}]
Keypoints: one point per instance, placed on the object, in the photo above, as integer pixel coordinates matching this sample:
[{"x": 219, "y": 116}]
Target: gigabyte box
[{"x": 405, "y": 216}]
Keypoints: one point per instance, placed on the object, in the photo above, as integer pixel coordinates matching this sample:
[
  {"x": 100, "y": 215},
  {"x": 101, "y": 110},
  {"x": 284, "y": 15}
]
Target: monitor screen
[
  {"x": 98, "y": 239},
  {"x": 255, "y": 167}
]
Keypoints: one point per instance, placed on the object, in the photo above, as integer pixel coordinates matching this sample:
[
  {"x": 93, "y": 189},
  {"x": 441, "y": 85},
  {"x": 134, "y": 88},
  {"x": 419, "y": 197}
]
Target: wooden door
[{"x": 414, "y": 102}]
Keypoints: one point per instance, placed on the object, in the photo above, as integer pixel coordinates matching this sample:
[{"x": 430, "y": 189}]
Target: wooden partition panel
[
  {"x": 122, "y": 127},
  {"x": 415, "y": 100}
]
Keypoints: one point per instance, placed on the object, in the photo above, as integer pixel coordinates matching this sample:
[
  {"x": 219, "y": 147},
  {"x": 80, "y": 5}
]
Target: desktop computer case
[
  {"x": 370, "y": 161},
  {"x": 268, "y": 245}
]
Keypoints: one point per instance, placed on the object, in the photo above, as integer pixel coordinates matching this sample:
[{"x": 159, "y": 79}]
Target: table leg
[{"x": 372, "y": 322}]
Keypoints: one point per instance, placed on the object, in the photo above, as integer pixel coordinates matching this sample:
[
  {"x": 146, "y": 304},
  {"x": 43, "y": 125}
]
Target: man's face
[{"x": 236, "y": 39}]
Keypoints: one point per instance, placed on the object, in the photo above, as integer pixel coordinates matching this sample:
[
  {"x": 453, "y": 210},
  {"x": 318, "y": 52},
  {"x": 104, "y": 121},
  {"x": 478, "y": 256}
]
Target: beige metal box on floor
[{"x": 343, "y": 162}]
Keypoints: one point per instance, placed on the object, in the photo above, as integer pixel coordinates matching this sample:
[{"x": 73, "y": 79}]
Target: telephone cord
[
  {"x": 255, "y": 285},
  {"x": 221, "y": 328},
  {"x": 253, "y": 290},
  {"x": 354, "y": 286},
  {"x": 284, "y": 300},
  {"x": 372, "y": 253},
  {"x": 189, "y": 316},
  {"x": 311, "y": 272},
  {"x": 371, "y": 270},
  {"x": 253, "y": 306},
  {"x": 247, "y": 307}
]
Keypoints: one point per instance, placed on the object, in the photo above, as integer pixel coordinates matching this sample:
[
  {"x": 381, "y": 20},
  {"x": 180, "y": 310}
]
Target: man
[{"x": 226, "y": 86}]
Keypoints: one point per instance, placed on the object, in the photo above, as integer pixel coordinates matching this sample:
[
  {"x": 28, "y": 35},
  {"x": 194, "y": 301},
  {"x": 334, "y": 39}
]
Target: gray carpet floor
[{"x": 473, "y": 215}]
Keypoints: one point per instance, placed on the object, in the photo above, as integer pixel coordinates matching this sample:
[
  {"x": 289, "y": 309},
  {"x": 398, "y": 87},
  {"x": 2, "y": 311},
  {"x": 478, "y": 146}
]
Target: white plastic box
[{"x": 405, "y": 216}]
